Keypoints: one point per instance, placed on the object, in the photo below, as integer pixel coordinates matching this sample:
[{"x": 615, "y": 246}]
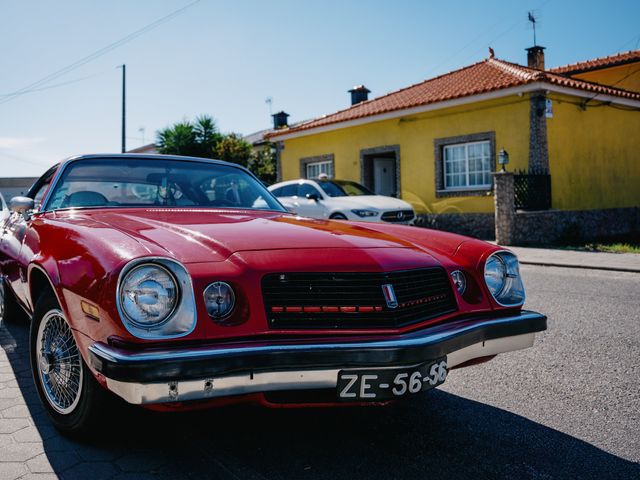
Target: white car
[
  {"x": 340, "y": 200},
  {"x": 4, "y": 210}
]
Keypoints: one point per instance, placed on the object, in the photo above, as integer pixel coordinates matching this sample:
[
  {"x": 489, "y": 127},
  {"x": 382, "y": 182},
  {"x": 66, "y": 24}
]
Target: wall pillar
[
  {"x": 279, "y": 147},
  {"x": 505, "y": 212},
  {"x": 538, "y": 145}
]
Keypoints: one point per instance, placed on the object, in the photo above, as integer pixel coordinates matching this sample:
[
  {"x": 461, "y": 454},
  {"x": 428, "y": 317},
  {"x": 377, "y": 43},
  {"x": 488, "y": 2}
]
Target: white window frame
[
  {"x": 466, "y": 187},
  {"x": 320, "y": 165}
]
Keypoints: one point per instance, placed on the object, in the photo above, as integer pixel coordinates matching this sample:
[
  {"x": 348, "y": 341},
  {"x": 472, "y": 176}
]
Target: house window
[
  {"x": 464, "y": 164},
  {"x": 467, "y": 165},
  {"x": 315, "y": 169}
]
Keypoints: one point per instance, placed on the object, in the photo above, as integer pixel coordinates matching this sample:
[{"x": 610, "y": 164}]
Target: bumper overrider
[{"x": 184, "y": 374}]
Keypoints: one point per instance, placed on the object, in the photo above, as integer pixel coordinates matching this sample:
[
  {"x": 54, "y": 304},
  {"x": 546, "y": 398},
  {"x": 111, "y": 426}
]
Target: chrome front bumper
[{"x": 146, "y": 377}]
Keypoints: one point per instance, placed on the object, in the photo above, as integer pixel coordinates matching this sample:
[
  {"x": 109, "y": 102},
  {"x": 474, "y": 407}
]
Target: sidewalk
[{"x": 621, "y": 262}]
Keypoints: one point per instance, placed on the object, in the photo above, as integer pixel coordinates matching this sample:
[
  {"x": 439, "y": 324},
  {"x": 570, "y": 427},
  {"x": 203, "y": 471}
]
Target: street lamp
[{"x": 503, "y": 159}]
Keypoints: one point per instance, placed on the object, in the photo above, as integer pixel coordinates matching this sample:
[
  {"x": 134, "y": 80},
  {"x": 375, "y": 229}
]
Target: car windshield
[
  {"x": 128, "y": 182},
  {"x": 343, "y": 188}
]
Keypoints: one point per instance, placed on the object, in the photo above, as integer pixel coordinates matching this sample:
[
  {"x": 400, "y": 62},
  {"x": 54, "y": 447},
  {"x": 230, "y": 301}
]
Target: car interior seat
[{"x": 85, "y": 199}]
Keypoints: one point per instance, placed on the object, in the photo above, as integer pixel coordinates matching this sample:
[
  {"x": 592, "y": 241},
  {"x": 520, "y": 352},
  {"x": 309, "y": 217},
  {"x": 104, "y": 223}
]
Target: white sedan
[{"x": 340, "y": 200}]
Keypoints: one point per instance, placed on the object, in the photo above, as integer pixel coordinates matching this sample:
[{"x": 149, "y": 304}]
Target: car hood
[
  {"x": 378, "y": 202},
  {"x": 204, "y": 235}
]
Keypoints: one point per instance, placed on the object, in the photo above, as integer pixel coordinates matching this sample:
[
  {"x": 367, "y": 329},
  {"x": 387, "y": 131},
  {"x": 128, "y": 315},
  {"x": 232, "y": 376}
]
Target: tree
[
  {"x": 263, "y": 164},
  {"x": 201, "y": 138},
  {"x": 207, "y": 134},
  {"x": 179, "y": 139},
  {"x": 233, "y": 148},
  {"x": 196, "y": 139}
]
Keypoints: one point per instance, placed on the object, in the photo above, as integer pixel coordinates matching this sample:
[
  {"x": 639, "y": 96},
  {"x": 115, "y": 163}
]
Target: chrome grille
[{"x": 398, "y": 216}]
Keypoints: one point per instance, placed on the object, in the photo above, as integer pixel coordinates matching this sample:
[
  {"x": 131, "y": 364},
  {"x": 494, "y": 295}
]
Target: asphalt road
[{"x": 567, "y": 408}]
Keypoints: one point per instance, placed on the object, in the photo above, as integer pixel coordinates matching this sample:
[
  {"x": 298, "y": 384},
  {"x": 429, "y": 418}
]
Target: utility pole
[{"x": 124, "y": 110}]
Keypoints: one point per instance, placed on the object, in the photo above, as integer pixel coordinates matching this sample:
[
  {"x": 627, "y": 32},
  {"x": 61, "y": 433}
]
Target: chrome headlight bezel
[
  {"x": 180, "y": 321},
  {"x": 511, "y": 292}
]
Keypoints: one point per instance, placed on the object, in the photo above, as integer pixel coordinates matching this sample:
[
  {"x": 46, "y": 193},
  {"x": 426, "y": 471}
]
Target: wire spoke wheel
[{"x": 59, "y": 363}]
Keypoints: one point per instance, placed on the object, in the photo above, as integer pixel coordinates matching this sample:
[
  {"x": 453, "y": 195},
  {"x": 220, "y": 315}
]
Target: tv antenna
[
  {"x": 269, "y": 101},
  {"x": 533, "y": 21}
]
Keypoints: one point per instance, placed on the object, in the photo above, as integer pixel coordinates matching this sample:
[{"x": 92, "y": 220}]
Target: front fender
[{"x": 40, "y": 270}]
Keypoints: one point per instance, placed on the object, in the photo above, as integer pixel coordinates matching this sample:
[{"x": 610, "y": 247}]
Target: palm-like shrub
[
  {"x": 195, "y": 139},
  {"x": 201, "y": 138}
]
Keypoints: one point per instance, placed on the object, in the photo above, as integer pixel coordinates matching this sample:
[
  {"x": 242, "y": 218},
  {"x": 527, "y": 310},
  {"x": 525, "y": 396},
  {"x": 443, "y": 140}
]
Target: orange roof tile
[
  {"x": 597, "y": 63},
  {"x": 486, "y": 76}
]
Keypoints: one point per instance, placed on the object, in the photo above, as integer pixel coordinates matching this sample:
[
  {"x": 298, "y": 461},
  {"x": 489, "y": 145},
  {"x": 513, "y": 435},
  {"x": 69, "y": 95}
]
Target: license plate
[{"x": 374, "y": 385}]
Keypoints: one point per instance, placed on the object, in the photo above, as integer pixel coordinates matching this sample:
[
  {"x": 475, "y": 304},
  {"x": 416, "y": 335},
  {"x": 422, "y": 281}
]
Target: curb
[{"x": 584, "y": 267}]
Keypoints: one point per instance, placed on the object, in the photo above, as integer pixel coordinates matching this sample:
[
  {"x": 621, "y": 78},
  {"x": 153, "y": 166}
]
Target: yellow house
[{"x": 436, "y": 143}]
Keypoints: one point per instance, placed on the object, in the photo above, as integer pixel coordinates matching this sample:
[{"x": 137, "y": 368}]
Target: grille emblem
[
  {"x": 400, "y": 215},
  {"x": 389, "y": 295}
]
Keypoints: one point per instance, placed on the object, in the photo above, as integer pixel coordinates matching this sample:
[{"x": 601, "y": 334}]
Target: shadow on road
[{"x": 437, "y": 435}]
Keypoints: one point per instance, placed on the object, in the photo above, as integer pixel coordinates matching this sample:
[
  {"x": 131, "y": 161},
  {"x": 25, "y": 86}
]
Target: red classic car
[{"x": 178, "y": 282}]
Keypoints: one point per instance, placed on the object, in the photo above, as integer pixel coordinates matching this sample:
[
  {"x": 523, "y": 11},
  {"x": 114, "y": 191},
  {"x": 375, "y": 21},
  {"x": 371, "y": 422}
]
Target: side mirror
[
  {"x": 313, "y": 196},
  {"x": 21, "y": 204}
]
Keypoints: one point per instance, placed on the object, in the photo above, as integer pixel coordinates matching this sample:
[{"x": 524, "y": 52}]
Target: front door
[
  {"x": 384, "y": 176},
  {"x": 379, "y": 171}
]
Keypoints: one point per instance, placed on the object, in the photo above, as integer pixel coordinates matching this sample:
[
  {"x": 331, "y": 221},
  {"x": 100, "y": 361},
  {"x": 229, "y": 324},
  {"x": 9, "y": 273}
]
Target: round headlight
[
  {"x": 495, "y": 274},
  {"x": 148, "y": 295},
  {"x": 219, "y": 299},
  {"x": 459, "y": 280},
  {"x": 502, "y": 276}
]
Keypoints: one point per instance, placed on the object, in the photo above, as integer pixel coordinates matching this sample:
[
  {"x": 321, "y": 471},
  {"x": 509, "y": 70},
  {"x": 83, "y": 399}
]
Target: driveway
[{"x": 567, "y": 408}]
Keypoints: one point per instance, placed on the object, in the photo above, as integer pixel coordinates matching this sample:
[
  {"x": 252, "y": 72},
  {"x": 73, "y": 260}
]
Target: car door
[
  {"x": 13, "y": 261},
  {"x": 287, "y": 196},
  {"x": 310, "y": 201}
]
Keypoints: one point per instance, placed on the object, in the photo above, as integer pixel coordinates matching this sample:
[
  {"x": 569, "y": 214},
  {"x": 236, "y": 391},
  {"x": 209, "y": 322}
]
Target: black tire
[
  {"x": 10, "y": 311},
  {"x": 90, "y": 398},
  {"x": 337, "y": 216}
]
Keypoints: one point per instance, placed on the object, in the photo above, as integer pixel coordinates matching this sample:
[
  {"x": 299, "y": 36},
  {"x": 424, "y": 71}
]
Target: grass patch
[
  {"x": 618, "y": 244},
  {"x": 619, "y": 247}
]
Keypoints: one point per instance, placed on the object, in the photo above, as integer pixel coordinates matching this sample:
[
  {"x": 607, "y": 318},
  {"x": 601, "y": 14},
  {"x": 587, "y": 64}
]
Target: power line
[
  {"x": 630, "y": 41},
  {"x": 629, "y": 73},
  {"x": 24, "y": 160},
  {"x": 509, "y": 29},
  {"x": 56, "y": 85},
  {"x": 484, "y": 32},
  {"x": 98, "y": 53}
]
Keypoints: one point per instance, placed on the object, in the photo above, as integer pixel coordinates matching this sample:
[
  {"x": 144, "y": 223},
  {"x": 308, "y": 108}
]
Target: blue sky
[{"x": 224, "y": 58}]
